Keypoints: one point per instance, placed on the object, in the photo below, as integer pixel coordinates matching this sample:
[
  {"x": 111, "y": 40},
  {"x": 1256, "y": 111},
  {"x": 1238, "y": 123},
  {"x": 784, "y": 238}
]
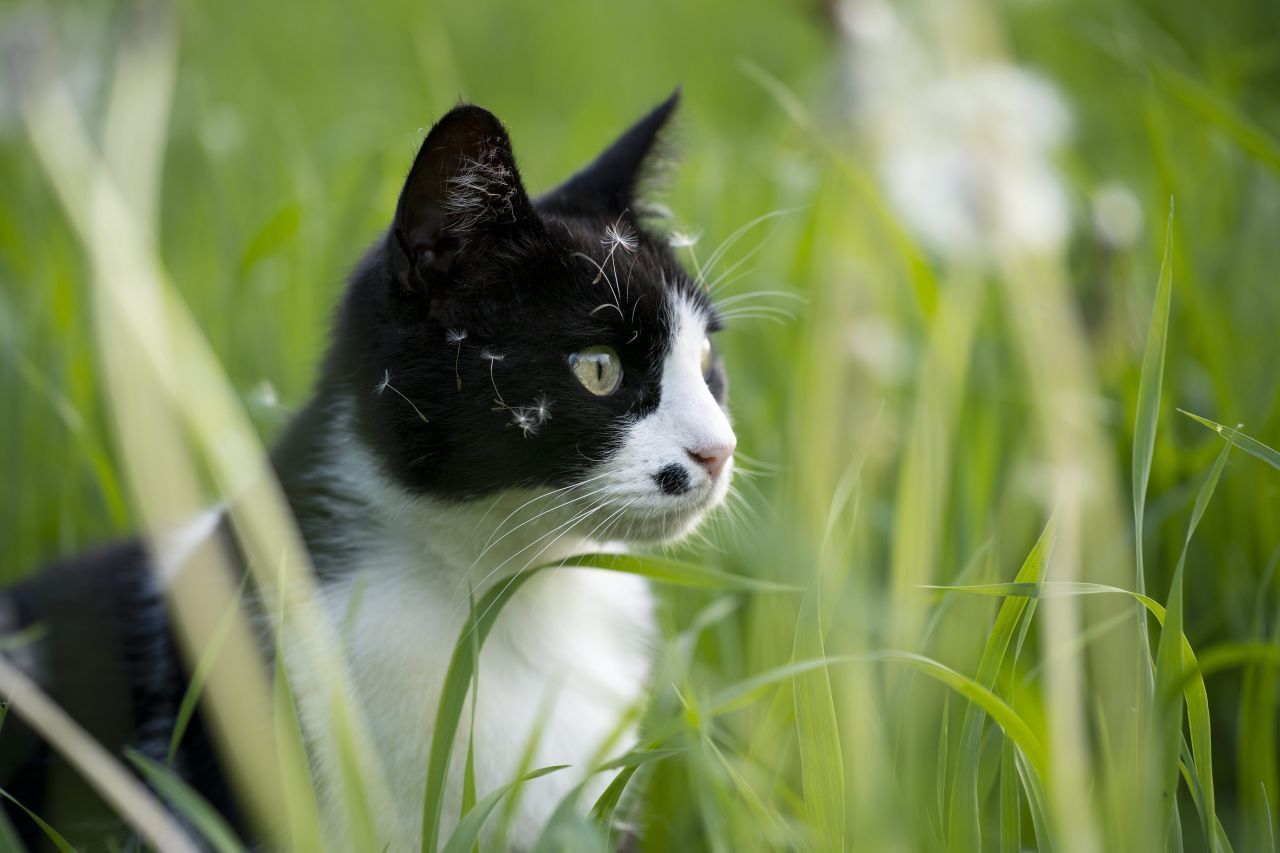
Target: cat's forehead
[{"x": 626, "y": 272}]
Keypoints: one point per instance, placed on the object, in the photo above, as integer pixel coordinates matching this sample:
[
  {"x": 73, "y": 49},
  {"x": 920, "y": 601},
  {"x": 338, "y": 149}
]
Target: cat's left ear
[
  {"x": 608, "y": 185},
  {"x": 463, "y": 189}
]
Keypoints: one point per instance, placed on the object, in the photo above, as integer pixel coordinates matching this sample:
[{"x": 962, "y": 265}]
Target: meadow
[{"x": 983, "y": 584}]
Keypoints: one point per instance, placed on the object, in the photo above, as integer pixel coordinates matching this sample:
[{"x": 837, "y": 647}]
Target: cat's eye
[
  {"x": 706, "y": 356},
  {"x": 598, "y": 368}
]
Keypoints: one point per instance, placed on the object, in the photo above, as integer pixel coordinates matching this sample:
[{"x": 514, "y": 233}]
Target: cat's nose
[{"x": 712, "y": 457}]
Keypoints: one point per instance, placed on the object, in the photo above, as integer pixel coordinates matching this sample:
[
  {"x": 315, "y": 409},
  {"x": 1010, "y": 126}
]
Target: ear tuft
[
  {"x": 464, "y": 185},
  {"x": 609, "y": 184}
]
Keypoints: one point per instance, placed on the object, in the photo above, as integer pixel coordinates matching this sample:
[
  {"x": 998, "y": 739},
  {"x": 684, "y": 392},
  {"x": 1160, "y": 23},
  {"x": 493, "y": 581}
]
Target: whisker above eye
[
  {"x": 608, "y": 305},
  {"x": 738, "y": 233},
  {"x": 759, "y": 294}
]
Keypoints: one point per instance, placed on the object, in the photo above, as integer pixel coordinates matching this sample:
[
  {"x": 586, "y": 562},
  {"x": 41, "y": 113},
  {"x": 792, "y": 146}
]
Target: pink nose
[{"x": 712, "y": 457}]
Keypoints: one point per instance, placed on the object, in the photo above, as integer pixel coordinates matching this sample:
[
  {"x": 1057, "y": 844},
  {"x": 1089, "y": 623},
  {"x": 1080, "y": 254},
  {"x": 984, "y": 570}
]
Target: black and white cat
[{"x": 511, "y": 381}]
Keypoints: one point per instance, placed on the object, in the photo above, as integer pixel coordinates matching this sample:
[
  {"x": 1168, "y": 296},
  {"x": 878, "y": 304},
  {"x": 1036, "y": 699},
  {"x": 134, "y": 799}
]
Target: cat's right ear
[{"x": 463, "y": 188}]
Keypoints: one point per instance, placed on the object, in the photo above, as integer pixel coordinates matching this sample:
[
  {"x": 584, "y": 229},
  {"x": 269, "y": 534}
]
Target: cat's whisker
[
  {"x": 613, "y": 288},
  {"x": 772, "y": 315},
  {"x": 617, "y": 513},
  {"x": 561, "y": 529},
  {"x": 637, "y": 302},
  {"x": 546, "y": 547},
  {"x": 728, "y": 275},
  {"x": 728, "y": 278},
  {"x": 540, "y": 496},
  {"x": 555, "y": 508},
  {"x": 492, "y": 542},
  {"x": 736, "y": 298},
  {"x": 741, "y": 231},
  {"x": 616, "y": 489},
  {"x": 593, "y": 311}
]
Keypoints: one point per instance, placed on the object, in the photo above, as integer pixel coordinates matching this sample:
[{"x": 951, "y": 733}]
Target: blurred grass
[{"x": 291, "y": 130}]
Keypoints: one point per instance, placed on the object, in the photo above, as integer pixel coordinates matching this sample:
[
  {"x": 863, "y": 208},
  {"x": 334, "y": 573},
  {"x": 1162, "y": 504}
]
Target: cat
[{"x": 511, "y": 381}]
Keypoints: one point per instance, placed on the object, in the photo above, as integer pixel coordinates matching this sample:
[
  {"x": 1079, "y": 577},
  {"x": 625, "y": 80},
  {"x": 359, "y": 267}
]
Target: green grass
[{"x": 924, "y": 625}]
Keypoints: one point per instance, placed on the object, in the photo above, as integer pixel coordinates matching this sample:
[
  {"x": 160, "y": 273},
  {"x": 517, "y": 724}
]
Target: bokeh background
[{"x": 946, "y": 221}]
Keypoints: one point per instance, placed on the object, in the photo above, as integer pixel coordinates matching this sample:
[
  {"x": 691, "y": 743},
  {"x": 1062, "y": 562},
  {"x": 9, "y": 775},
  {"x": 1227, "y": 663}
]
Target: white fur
[{"x": 570, "y": 651}]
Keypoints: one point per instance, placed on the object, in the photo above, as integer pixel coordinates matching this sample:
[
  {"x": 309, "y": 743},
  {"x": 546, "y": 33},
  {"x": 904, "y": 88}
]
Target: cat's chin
[{"x": 665, "y": 527}]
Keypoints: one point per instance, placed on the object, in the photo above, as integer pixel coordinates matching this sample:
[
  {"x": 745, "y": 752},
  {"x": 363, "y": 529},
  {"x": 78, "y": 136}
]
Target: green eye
[
  {"x": 706, "y": 356},
  {"x": 598, "y": 368}
]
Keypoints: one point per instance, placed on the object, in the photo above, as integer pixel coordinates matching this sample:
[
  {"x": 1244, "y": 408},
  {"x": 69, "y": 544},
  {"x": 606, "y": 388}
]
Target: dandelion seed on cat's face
[
  {"x": 456, "y": 337},
  {"x": 542, "y": 410},
  {"x": 386, "y": 383},
  {"x": 526, "y": 420},
  {"x": 620, "y": 236}
]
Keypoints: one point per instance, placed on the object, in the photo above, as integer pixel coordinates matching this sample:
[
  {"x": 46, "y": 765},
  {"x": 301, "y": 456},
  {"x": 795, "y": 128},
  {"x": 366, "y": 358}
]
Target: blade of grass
[
  {"x": 1170, "y": 661},
  {"x": 607, "y": 803},
  {"x": 1010, "y": 802},
  {"x": 467, "y": 834},
  {"x": 1149, "y": 385},
  {"x": 964, "y": 827},
  {"x": 9, "y": 839},
  {"x": 675, "y": 572},
  {"x": 469, "y": 770},
  {"x": 186, "y": 802},
  {"x": 295, "y": 771},
  {"x": 191, "y": 697},
  {"x": 1249, "y": 445},
  {"x": 55, "y": 838},
  {"x": 821, "y": 762}
]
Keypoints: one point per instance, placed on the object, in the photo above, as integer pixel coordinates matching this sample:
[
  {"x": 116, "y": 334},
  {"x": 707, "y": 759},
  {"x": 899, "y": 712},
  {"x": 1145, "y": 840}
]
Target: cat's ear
[
  {"x": 463, "y": 188},
  {"x": 609, "y": 184}
]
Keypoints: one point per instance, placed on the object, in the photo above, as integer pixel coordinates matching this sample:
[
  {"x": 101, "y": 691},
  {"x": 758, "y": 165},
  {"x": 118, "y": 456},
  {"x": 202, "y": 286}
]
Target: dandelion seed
[
  {"x": 456, "y": 336},
  {"x": 493, "y": 358},
  {"x": 386, "y": 384},
  {"x": 526, "y": 419},
  {"x": 542, "y": 409},
  {"x": 620, "y": 236},
  {"x": 683, "y": 240}
]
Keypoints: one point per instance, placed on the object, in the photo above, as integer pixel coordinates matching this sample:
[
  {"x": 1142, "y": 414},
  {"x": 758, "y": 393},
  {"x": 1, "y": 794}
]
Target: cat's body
[{"x": 511, "y": 382}]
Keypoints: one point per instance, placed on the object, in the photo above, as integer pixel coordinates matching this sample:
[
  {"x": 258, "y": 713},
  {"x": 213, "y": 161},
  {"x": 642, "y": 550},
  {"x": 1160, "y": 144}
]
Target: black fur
[{"x": 449, "y": 360}]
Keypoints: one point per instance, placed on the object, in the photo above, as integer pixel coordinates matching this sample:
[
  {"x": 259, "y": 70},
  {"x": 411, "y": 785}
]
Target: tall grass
[{"x": 965, "y": 609}]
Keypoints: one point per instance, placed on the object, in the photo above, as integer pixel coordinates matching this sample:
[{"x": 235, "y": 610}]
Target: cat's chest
[{"x": 565, "y": 663}]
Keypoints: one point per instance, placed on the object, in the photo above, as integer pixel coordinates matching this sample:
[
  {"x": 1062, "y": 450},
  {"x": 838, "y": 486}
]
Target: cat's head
[{"x": 501, "y": 343}]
